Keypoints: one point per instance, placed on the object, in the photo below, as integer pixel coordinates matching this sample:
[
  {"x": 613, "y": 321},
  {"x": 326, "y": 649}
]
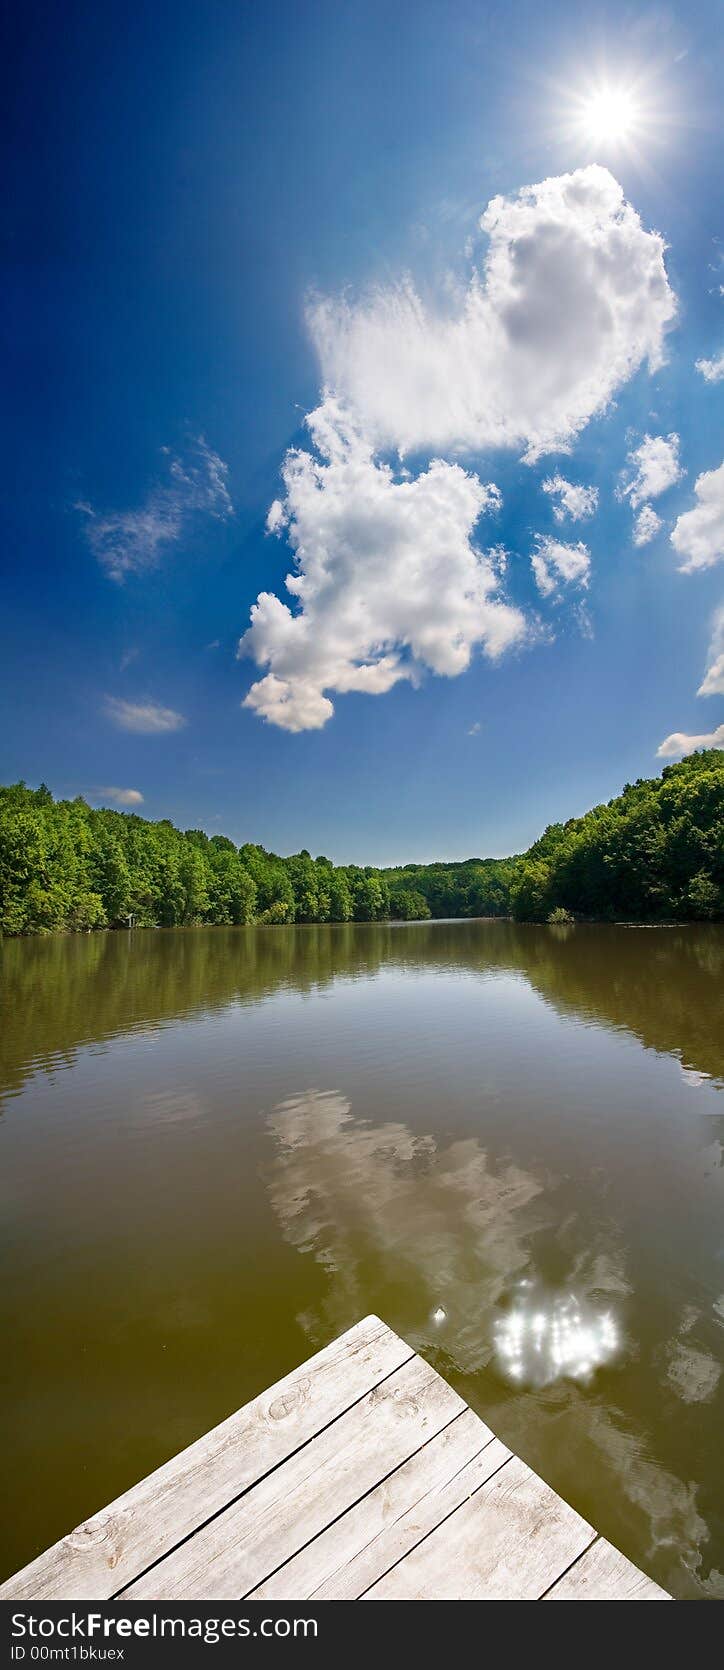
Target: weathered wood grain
[
  {"x": 353, "y": 1552},
  {"x": 602, "y": 1573},
  {"x": 509, "y": 1542},
  {"x": 101, "y": 1556},
  {"x": 361, "y": 1475},
  {"x": 243, "y": 1546},
  {"x": 353, "y": 1581}
]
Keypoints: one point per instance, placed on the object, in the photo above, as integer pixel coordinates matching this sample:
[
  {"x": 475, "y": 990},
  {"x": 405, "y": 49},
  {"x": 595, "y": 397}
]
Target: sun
[{"x": 609, "y": 114}]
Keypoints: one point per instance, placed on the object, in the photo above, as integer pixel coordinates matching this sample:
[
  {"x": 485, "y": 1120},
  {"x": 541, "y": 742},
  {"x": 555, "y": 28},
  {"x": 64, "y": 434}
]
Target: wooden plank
[
  {"x": 243, "y": 1546},
  {"x": 353, "y": 1581},
  {"x": 353, "y": 1552},
  {"x": 509, "y": 1542},
  {"x": 105, "y": 1553},
  {"x": 602, "y": 1573}
]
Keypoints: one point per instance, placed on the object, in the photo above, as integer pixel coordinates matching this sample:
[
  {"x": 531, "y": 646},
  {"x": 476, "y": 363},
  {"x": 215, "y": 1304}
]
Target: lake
[{"x": 222, "y": 1147}]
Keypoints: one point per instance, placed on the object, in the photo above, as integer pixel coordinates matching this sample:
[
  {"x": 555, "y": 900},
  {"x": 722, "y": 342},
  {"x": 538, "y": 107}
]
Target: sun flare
[{"x": 609, "y": 114}]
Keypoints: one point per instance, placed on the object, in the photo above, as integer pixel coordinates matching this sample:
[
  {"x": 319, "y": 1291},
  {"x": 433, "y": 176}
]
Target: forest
[{"x": 654, "y": 853}]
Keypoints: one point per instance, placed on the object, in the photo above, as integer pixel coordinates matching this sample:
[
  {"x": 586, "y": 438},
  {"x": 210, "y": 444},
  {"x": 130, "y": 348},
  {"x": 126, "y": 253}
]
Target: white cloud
[
  {"x": 698, "y": 535},
  {"x": 711, "y": 370},
  {"x": 679, "y": 743},
  {"x": 555, "y": 564},
  {"x": 570, "y": 301},
  {"x": 646, "y": 525},
  {"x": 146, "y": 718},
  {"x": 573, "y": 500},
  {"x": 475, "y": 729},
  {"x": 387, "y": 581},
  {"x": 572, "y": 298},
  {"x": 713, "y": 680},
  {"x": 654, "y": 466},
  {"x": 131, "y": 541},
  {"x": 122, "y": 797}
]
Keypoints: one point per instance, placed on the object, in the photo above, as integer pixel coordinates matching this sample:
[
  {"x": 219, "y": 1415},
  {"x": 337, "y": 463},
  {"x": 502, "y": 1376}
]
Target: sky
[{"x": 363, "y": 481}]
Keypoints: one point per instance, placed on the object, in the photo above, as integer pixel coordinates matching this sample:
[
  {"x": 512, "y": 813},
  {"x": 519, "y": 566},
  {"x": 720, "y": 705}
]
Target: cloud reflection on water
[
  {"x": 440, "y": 1227},
  {"x": 445, "y": 1241},
  {"x": 442, "y": 1236}
]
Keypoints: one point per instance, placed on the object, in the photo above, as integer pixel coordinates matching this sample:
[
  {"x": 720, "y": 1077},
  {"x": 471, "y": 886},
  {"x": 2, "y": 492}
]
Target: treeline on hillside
[{"x": 656, "y": 852}]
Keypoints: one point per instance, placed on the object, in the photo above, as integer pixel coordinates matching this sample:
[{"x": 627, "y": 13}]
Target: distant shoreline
[{"x": 653, "y": 856}]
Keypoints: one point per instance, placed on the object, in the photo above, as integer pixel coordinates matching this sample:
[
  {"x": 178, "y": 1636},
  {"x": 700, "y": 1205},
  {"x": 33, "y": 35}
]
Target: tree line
[{"x": 655, "y": 852}]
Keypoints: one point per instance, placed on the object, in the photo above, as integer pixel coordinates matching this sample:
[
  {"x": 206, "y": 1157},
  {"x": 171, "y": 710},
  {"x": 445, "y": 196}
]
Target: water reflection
[
  {"x": 443, "y": 1225},
  {"x": 497, "y": 1105},
  {"x": 664, "y": 986},
  {"x": 453, "y": 1232},
  {"x": 456, "y": 1247}
]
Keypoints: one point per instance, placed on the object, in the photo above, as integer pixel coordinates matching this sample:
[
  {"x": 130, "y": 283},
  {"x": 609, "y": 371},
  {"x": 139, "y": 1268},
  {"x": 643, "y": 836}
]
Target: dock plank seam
[
  {"x": 234, "y": 1500},
  {"x": 370, "y": 1492},
  {"x": 434, "y": 1528},
  {"x": 569, "y": 1568}
]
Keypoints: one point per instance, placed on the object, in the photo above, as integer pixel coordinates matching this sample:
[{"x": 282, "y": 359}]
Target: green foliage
[
  {"x": 409, "y": 905},
  {"x": 560, "y": 917},
  {"x": 655, "y": 852},
  {"x": 531, "y": 891}
]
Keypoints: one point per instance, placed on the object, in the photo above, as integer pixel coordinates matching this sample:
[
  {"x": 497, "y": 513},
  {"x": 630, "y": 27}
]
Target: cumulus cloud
[
  {"x": 146, "y": 718},
  {"x": 711, "y": 370},
  {"x": 698, "y": 535},
  {"x": 679, "y": 743},
  {"x": 571, "y": 299},
  {"x": 556, "y": 565},
  {"x": 132, "y": 541},
  {"x": 573, "y": 500},
  {"x": 713, "y": 680},
  {"x": 387, "y": 581},
  {"x": 652, "y": 467},
  {"x": 646, "y": 525},
  {"x": 122, "y": 797}
]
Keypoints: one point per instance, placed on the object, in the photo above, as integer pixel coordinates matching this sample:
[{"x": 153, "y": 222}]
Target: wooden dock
[{"x": 361, "y": 1476}]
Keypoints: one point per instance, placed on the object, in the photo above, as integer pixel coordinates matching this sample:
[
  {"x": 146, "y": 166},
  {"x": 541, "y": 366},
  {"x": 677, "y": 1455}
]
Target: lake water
[{"x": 220, "y": 1148}]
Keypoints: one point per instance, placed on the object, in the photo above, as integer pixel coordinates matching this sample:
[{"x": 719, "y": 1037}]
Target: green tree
[{"x": 408, "y": 905}]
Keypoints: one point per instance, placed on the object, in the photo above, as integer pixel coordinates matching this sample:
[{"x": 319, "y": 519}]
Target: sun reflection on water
[{"x": 546, "y": 1337}]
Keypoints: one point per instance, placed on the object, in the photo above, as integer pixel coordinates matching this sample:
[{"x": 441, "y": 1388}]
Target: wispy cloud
[
  {"x": 712, "y": 370},
  {"x": 556, "y": 565},
  {"x": 122, "y": 797},
  {"x": 146, "y": 718},
  {"x": 475, "y": 729},
  {"x": 713, "y": 681},
  {"x": 646, "y": 525},
  {"x": 652, "y": 467},
  {"x": 570, "y": 498},
  {"x": 133, "y": 541}
]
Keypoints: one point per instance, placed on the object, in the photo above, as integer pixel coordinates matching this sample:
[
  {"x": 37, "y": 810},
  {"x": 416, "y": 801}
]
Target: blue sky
[{"x": 224, "y": 218}]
